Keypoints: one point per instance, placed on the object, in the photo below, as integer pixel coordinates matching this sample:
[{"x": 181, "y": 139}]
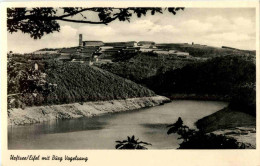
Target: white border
[{"x": 129, "y": 158}]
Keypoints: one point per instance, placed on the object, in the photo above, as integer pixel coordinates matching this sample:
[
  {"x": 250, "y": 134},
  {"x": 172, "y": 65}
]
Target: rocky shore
[
  {"x": 245, "y": 135},
  {"x": 37, "y": 114}
]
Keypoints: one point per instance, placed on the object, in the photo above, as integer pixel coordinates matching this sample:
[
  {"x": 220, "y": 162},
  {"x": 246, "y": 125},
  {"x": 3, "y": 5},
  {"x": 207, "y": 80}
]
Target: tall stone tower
[{"x": 80, "y": 40}]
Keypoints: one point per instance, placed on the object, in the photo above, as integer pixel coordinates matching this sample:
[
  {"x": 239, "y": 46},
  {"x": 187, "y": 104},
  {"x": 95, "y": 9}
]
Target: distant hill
[
  {"x": 198, "y": 50},
  {"x": 232, "y": 48}
]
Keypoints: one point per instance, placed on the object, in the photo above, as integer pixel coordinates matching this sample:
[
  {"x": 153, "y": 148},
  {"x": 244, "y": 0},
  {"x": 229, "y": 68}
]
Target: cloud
[
  {"x": 123, "y": 31},
  {"x": 244, "y": 25},
  {"x": 195, "y": 26},
  {"x": 66, "y": 33},
  {"x": 218, "y": 31},
  {"x": 215, "y": 30},
  {"x": 96, "y": 32},
  {"x": 65, "y": 38},
  {"x": 23, "y": 43},
  {"x": 229, "y": 36}
]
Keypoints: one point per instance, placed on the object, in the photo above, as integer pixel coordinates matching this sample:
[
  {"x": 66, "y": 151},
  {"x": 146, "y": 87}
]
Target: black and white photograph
[{"x": 131, "y": 78}]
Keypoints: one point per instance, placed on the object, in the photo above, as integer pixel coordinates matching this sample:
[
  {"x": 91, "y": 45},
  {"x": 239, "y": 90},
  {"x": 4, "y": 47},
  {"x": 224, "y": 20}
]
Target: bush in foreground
[
  {"x": 131, "y": 143},
  {"x": 193, "y": 139}
]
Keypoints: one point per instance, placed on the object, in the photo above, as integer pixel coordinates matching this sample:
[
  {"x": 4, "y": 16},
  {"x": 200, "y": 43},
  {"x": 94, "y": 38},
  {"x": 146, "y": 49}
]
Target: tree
[
  {"x": 40, "y": 21},
  {"x": 131, "y": 143},
  {"x": 26, "y": 85}
]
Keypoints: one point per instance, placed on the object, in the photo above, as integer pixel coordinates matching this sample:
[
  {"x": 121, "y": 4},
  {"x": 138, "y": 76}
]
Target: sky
[{"x": 234, "y": 27}]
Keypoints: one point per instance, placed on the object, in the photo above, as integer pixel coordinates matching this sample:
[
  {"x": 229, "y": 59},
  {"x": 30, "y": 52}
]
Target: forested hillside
[
  {"x": 230, "y": 76},
  {"x": 215, "y": 76},
  {"x": 145, "y": 65},
  {"x": 80, "y": 82},
  {"x": 75, "y": 82}
]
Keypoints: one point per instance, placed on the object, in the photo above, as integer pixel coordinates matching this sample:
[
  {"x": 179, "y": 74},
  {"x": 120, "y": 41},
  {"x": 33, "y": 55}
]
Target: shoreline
[
  {"x": 205, "y": 97},
  {"x": 38, "y": 114}
]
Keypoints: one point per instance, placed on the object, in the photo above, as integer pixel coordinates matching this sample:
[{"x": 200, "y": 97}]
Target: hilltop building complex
[{"x": 93, "y": 51}]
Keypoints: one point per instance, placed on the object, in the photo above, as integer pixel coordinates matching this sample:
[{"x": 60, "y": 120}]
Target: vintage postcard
[{"x": 130, "y": 83}]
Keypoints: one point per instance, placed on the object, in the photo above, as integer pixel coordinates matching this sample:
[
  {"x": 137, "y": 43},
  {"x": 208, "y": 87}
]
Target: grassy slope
[
  {"x": 224, "y": 119},
  {"x": 80, "y": 82}
]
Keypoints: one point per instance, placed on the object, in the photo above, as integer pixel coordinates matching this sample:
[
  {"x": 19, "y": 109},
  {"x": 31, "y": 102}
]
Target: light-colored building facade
[
  {"x": 89, "y": 43},
  {"x": 161, "y": 52}
]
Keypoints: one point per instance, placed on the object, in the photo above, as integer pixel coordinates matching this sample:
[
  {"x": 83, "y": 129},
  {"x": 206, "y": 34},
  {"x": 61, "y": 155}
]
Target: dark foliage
[
  {"x": 243, "y": 98},
  {"x": 131, "y": 143},
  {"x": 145, "y": 65},
  {"x": 230, "y": 76},
  {"x": 123, "y": 57},
  {"x": 23, "y": 78},
  {"x": 216, "y": 76},
  {"x": 35, "y": 22},
  {"x": 40, "y": 21},
  {"x": 193, "y": 139},
  {"x": 210, "y": 141},
  {"x": 26, "y": 86},
  {"x": 43, "y": 56}
]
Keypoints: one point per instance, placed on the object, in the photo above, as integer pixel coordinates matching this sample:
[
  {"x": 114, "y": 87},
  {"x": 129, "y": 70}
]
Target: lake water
[{"x": 101, "y": 132}]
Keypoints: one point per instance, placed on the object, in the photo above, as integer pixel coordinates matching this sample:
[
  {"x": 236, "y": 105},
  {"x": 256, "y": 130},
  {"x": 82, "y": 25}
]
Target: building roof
[
  {"x": 149, "y": 48},
  {"x": 182, "y": 53},
  {"x": 131, "y": 48},
  {"x": 120, "y": 44},
  {"x": 68, "y": 50},
  {"x": 93, "y": 41},
  {"x": 89, "y": 49},
  {"x": 161, "y": 51},
  {"x": 100, "y": 42},
  {"x": 111, "y": 51},
  {"x": 146, "y": 42},
  {"x": 64, "y": 57},
  {"x": 48, "y": 49},
  {"x": 45, "y": 52}
]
